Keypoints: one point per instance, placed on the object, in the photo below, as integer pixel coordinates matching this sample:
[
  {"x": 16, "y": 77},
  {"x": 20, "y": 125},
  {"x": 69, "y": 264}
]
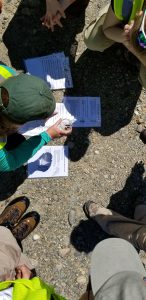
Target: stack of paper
[
  {"x": 82, "y": 111},
  {"x": 52, "y": 161},
  {"x": 54, "y": 69}
]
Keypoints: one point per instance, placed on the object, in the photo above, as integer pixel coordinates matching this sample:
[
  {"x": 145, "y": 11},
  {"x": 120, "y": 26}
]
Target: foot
[
  {"x": 92, "y": 209},
  {"x": 26, "y": 225},
  {"x": 14, "y": 211}
]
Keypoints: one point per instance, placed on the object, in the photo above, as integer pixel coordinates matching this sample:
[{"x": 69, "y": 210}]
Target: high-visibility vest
[
  {"x": 127, "y": 9},
  {"x": 3, "y": 141},
  {"x": 30, "y": 289},
  {"x": 5, "y": 73}
]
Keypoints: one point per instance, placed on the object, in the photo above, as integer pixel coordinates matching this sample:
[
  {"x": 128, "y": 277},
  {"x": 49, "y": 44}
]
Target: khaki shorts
[{"x": 94, "y": 37}]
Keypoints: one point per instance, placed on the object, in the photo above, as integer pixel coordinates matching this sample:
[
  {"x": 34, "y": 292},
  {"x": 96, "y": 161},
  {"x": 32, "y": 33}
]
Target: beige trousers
[
  {"x": 11, "y": 255},
  {"x": 96, "y": 40},
  {"x": 132, "y": 230}
]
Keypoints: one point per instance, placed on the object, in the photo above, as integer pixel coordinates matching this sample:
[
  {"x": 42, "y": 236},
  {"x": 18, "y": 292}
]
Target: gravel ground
[{"x": 106, "y": 164}]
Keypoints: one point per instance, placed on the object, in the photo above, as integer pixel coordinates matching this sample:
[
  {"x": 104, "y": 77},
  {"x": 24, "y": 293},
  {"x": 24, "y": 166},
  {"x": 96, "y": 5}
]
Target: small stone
[
  {"x": 81, "y": 280},
  {"x": 112, "y": 176},
  {"x": 64, "y": 251},
  {"x": 139, "y": 128},
  {"x": 55, "y": 197},
  {"x": 36, "y": 237},
  {"x": 86, "y": 171},
  {"x": 136, "y": 112},
  {"x": 59, "y": 267},
  {"x": 96, "y": 152},
  {"x": 72, "y": 217},
  {"x": 106, "y": 176}
]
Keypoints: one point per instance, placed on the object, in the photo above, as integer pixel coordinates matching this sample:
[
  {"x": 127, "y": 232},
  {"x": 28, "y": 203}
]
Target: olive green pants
[{"x": 132, "y": 230}]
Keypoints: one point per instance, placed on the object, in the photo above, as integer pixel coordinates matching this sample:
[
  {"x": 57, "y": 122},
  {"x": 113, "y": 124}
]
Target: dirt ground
[{"x": 106, "y": 165}]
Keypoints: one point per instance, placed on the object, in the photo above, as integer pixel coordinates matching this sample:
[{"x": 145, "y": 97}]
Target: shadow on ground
[
  {"x": 10, "y": 181},
  {"x": 106, "y": 74},
  {"x": 26, "y": 37},
  {"x": 87, "y": 234},
  {"x": 109, "y": 76}
]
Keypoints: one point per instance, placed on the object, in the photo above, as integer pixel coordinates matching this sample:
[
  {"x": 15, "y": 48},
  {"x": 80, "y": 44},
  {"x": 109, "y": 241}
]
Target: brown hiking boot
[
  {"x": 26, "y": 225},
  {"x": 14, "y": 211}
]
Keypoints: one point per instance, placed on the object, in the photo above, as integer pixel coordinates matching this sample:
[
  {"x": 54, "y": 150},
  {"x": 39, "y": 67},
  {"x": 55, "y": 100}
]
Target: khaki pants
[
  {"x": 132, "y": 230},
  {"x": 96, "y": 40},
  {"x": 11, "y": 255}
]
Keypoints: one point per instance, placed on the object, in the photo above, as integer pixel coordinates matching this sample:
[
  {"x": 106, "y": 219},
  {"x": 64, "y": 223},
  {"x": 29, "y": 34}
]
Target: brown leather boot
[
  {"x": 26, "y": 225},
  {"x": 14, "y": 211}
]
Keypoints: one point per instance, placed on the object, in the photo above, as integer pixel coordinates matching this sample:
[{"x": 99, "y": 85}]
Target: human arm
[
  {"x": 115, "y": 32},
  {"x": 13, "y": 159},
  {"x": 130, "y": 33},
  {"x": 53, "y": 7},
  {"x": 53, "y": 15}
]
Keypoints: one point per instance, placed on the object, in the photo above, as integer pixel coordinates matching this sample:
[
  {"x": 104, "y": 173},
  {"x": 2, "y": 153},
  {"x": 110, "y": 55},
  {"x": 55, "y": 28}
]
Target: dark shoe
[
  {"x": 143, "y": 136},
  {"x": 14, "y": 211},
  {"x": 26, "y": 225},
  {"x": 86, "y": 208}
]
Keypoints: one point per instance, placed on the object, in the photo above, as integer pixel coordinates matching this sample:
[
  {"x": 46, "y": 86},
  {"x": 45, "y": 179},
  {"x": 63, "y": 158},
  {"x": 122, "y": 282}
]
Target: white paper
[
  {"x": 49, "y": 161},
  {"x": 82, "y": 111},
  {"x": 85, "y": 111},
  {"x": 54, "y": 68}
]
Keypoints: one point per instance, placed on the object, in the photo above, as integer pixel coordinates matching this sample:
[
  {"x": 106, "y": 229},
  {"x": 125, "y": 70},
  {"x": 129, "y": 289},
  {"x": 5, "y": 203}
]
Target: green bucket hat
[{"x": 29, "y": 99}]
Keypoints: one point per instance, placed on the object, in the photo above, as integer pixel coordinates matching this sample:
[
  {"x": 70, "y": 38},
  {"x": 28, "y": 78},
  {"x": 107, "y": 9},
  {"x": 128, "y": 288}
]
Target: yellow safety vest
[
  {"x": 3, "y": 141},
  {"x": 5, "y": 73},
  {"x": 30, "y": 289},
  {"x": 133, "y": 7}
]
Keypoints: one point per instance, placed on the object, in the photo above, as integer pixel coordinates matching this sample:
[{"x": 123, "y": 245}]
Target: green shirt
[{"x": 13, "y": 159}]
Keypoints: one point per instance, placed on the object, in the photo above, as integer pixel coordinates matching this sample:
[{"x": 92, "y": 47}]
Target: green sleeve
[{"x": 13, "y": 159}]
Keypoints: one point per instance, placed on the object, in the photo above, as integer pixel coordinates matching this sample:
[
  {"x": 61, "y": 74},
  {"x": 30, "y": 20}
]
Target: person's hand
[
  {"x": 54, "y": 11},
  {"x": 55, "y": 132},
  {"x": 128, "y": 30},
  {"x": 23, "y": 272},
  {"x": 127, "y": 34}
]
